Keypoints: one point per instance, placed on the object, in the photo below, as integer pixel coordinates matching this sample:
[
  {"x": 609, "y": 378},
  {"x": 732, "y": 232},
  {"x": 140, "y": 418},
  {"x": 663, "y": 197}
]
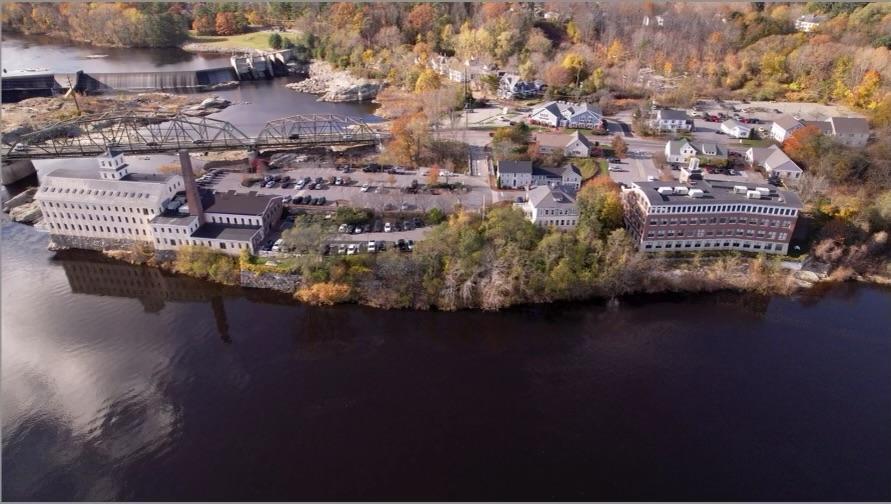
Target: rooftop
[
  {"x": 515, "y": 167},
  {"x": 544, "y": 196},
  {"x": 849, "y": 125},
  {"x": 215, "y": 231},
  {"x": 234, "y": 203},
  {"x": 787, "y": 122},
  {"x": 715, "y": 191},
  {"x": 173, "y": 219},
  {"x": 671, "y": 115}
]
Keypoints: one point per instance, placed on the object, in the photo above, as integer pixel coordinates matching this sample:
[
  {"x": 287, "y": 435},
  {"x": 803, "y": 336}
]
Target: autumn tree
[
  {"x": 409, "y": 134},
  {"x": 493, "y": 10},
  {"x": 620, "y": 148},
  {"x": 421, "y": 17},
  {"x": 800, "y": 143},
  {"x": 428, "y": 80},
  {"x": 557, "y": 76},
  {"x": 228, "y": 23},
  {"x": 615, "y": 52},
  {"x": 433, "y": 175}
]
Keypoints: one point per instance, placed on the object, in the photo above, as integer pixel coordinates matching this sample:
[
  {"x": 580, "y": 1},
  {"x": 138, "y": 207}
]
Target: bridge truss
[{"x": 138, "y": 133}]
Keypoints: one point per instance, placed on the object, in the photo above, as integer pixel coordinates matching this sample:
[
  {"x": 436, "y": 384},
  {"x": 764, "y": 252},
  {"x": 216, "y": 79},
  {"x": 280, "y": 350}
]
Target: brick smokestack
[{"x": 193, "y": 199}]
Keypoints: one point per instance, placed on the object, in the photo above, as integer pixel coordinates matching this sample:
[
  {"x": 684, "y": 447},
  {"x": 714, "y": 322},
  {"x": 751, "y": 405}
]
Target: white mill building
[{"x": 113, "y": 207}]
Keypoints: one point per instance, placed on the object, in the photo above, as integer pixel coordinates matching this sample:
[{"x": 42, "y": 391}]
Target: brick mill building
[{"x": 710, "y": 215}]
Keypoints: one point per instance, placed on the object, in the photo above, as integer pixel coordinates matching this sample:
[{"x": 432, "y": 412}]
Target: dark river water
[{"x": 122, "y": 383}]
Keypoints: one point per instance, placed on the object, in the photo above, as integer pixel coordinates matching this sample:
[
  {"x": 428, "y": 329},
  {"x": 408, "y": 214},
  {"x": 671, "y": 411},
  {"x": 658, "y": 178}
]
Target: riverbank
[
  {"x": 662, "y": 276},
  {"x": 336, "y": 85},
  {"x": 33, "y": 114}
]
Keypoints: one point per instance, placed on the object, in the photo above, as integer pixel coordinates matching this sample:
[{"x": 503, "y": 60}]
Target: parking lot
[{"x": 385, "y": 191}]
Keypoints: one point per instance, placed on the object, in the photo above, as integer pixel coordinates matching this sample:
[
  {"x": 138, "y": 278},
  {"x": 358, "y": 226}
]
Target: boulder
[{"x": 29, "y": 213}]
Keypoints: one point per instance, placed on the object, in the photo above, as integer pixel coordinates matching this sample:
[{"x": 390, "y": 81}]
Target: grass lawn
[
  {"x": 590, "y": 167},
  {"x": 752, "y": 143},
  {"x": 252, "y": 40}
]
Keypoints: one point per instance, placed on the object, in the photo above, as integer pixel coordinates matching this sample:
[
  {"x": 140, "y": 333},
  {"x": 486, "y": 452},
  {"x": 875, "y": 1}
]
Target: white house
[
  {"x": 567, "y": 177},
  {"x": 567, "y": 115},
  {"x": 546, "y": 206},
  {"x": 808, "y": 22},
  {"x": 736, "y": 129},
  {"x": 572, "y": 145},
  {"x": 851, "y": 131},
  {"x": 514, "y": 174},
  {"x": 681, "y": 151},
  {"x": 783, "y": 127},
  {"x": 774, "y": 161},
  {"x": 671, "y": 120}
]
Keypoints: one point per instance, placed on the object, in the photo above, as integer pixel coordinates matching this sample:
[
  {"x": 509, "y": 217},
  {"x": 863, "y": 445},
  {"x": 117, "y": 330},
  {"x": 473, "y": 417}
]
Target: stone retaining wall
[
  {"x": 273, "y": 281},
  {"x": 63, "y": 242}
]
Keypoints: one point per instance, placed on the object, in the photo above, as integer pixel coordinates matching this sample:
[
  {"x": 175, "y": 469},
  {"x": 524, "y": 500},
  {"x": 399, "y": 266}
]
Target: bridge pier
[{"x": 13, "y": 171}]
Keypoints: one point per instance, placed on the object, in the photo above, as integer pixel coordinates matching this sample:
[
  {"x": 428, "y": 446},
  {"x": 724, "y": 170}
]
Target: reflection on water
[{"x": 123, "y": 382}]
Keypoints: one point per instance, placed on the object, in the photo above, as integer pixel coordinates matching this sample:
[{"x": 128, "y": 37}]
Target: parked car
[
  {"x": 286, "y": 199},
  {"x": 371, "y": 247},
  {"x": 365, "y": 187},
  {"x": 400, "y": 244},
  {"x": 410, "y": 244},
  {"x": 388, "y": 227},
  {"x": 342, "y": 228},
  {"x": 341, "y": 249},
  {"x": 378, "y": 226},
  {"x": 321, "y": 201},
  {"x": 352, "y": 249}
]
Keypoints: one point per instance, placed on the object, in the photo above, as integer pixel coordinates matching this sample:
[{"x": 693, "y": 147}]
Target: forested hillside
[{"x": 744, "y": 49}]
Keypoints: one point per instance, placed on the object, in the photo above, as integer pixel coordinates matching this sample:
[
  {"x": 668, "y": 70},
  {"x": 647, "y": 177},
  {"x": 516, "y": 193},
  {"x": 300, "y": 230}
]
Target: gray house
[{"x": 514, "y": 174}]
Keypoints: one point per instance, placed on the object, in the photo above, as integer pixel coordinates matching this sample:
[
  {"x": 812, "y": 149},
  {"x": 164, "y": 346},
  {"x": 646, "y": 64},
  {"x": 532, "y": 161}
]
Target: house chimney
[{"x": 192, "y": 197}]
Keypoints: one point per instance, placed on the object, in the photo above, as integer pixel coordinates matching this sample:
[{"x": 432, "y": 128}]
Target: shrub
[{"x": 324, "y": 293}]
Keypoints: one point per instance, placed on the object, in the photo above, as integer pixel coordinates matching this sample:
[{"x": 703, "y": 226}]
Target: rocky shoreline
[
  {"x": 336, "y": 85},
  {"x": 33, "y": 114}
]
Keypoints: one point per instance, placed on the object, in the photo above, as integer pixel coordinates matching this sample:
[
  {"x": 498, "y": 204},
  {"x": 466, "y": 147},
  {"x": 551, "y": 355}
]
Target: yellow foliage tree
[
  {"x": 864, "y": 95},
  {"x": 615, "y": 52},
  {"x": 428, "y": 80},
  {"x": 667, "y": 68},
  {"x": 573, "y": 32}
]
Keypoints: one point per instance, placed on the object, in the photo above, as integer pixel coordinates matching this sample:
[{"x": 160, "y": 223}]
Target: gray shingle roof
[
  {"x": 671, "y": 115},
  {"x": 849, "y": 125},
  {"x": 239, "y": 203},
  {"x": 515, "y": 167}
]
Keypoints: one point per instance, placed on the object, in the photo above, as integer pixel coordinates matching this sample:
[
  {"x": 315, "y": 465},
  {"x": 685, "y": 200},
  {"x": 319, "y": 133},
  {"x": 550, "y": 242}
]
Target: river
[
  {"x": 254, "y": 102},
  {"x": 120, "y": 383}
]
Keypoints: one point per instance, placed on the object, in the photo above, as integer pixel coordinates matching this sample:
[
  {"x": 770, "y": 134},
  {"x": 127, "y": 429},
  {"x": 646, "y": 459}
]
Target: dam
[{"x": 256, "y": 66}]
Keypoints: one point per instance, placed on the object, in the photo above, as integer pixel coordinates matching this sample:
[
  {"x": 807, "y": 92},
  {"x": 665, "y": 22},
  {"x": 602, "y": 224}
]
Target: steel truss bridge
[{"x": 135, "y": 133}]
